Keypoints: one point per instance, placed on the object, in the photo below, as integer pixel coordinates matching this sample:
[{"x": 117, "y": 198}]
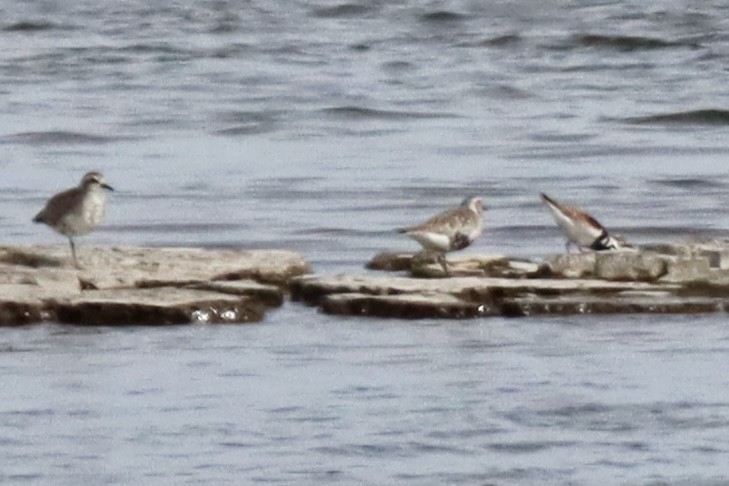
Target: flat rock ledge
[
  {"x": 685, "y": 278},
  {"x": 142, "y": 286}
]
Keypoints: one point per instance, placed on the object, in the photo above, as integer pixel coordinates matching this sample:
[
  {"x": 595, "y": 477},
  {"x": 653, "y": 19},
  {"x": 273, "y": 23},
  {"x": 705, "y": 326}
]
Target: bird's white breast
[
  {"x": 431, "y": 240},
  {"x": 86, "y": 216},
  {"x": 580, "y": 232}
]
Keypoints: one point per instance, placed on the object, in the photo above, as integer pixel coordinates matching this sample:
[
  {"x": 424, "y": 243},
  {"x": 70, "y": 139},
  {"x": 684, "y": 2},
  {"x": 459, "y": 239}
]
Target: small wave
[
  {"x": 30, "y": 412},
  {"x": 249, "y": 117},
  {"x": 528, "y": 447},
  {"x": 159, "y": 47},
  {"x": 362, "y": 450},
  {"x": 561, "y": 137},
  {"x": 226, "y": 24},
  {"x": 163, "y": 50},
  {"x": 398, "y": 66},
  {"x": 30, "y": 26},
  {"x": 627, "y": 43},
  {"x": 688, "y": 183},
  {"x": 360, "y": 47},
  {"x": 505, "y": 92},
  {"x": 233, "y": 444},
  {"x": 245, "y": 129},
  {"x": 439, "y": 16},
  {"x": 55, "y": 137},
  {"x": 605, "y": 66},
  {"x": 508, "y": 40},
  {"x": 342, "y": 10},
  {"x": 168, "y": 52},
  {"x": 359, "y": 113},
  {"x": 228, "y": 51},
  {"x": 694, "y": 117}
]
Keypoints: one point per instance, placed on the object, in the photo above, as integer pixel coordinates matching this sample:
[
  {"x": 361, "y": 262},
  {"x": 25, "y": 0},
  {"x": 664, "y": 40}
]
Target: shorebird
[
  {"x": 580, "y": 228},
  {"x": 454, "y": 229},
  {"x": 78, "y": 210}
]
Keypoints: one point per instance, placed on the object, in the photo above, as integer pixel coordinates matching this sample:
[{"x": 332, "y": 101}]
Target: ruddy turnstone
[
  {"x": 450, "y": 230},
  {"x": 580, "y": 228},
  {"x": 78, "y": 210}
]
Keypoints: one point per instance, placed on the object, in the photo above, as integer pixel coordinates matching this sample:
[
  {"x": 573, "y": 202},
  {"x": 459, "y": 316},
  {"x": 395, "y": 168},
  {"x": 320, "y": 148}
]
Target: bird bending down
[
  {"x": 454, "y": 229},
  {"x": 78, "y": 210},
  {"x": 580, "y": 228}
]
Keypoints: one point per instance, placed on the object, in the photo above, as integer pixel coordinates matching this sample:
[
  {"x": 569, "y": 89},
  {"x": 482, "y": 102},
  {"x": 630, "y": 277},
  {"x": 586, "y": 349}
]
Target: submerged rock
[
  {"x": 156, "y": 306},
  {"x": 648, "y": 303},
  {"x": 473, "y": 296},
  {"x": 18, "y": 307},
  {"x": 677, "y": 278},
  {"x": 404, "y": 306},
  {"x": 132, "y": 285}
]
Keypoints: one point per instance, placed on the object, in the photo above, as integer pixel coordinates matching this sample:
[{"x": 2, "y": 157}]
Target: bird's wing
[
  {"x": 579, "y": 225},
  {"x": 58, "y": 206},
  {"x": 447, "y": 222}
]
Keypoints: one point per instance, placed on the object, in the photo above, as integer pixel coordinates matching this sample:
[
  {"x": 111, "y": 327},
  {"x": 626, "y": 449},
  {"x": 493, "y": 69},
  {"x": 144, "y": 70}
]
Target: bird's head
[
  {"x": 475, "y": 204},
  {"x": 94, "y": 178}
]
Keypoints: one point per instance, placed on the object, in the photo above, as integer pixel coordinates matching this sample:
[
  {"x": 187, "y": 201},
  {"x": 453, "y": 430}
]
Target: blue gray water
[{"x": 320, "y": 126}]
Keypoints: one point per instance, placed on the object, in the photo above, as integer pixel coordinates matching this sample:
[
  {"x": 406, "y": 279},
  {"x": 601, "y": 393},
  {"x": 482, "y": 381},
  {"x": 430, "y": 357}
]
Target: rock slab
[
  {"x": 138, "y": 285},
  {"x": 688, "y": 278},
  {"x": 461, "y": 297}
]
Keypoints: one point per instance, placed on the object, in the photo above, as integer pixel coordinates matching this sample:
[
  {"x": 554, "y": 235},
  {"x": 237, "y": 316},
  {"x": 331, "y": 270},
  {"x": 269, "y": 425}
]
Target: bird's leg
[
  {"x": 443, "y": 263},
  {"x": 73, "y": 252},
  {"x": 567, "y": 247}
]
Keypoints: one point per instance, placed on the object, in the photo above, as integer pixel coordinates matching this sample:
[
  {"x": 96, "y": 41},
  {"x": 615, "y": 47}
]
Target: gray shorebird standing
[
  {"x": 78, "y": 210},
  {"x": 454, "y": 229},
  {"x": 580, "y": 228}
]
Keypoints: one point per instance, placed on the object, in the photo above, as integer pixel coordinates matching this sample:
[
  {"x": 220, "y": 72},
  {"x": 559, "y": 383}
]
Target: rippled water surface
[{"x": 320, "y": 126}]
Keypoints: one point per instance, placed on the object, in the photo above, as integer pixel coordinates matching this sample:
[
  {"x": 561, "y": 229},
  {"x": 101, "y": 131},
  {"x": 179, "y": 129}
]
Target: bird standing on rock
[
  {"x": 454, "y": 229},
  {"x": 580, "y": 228},
  {"x": 78, "y": 210}
]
